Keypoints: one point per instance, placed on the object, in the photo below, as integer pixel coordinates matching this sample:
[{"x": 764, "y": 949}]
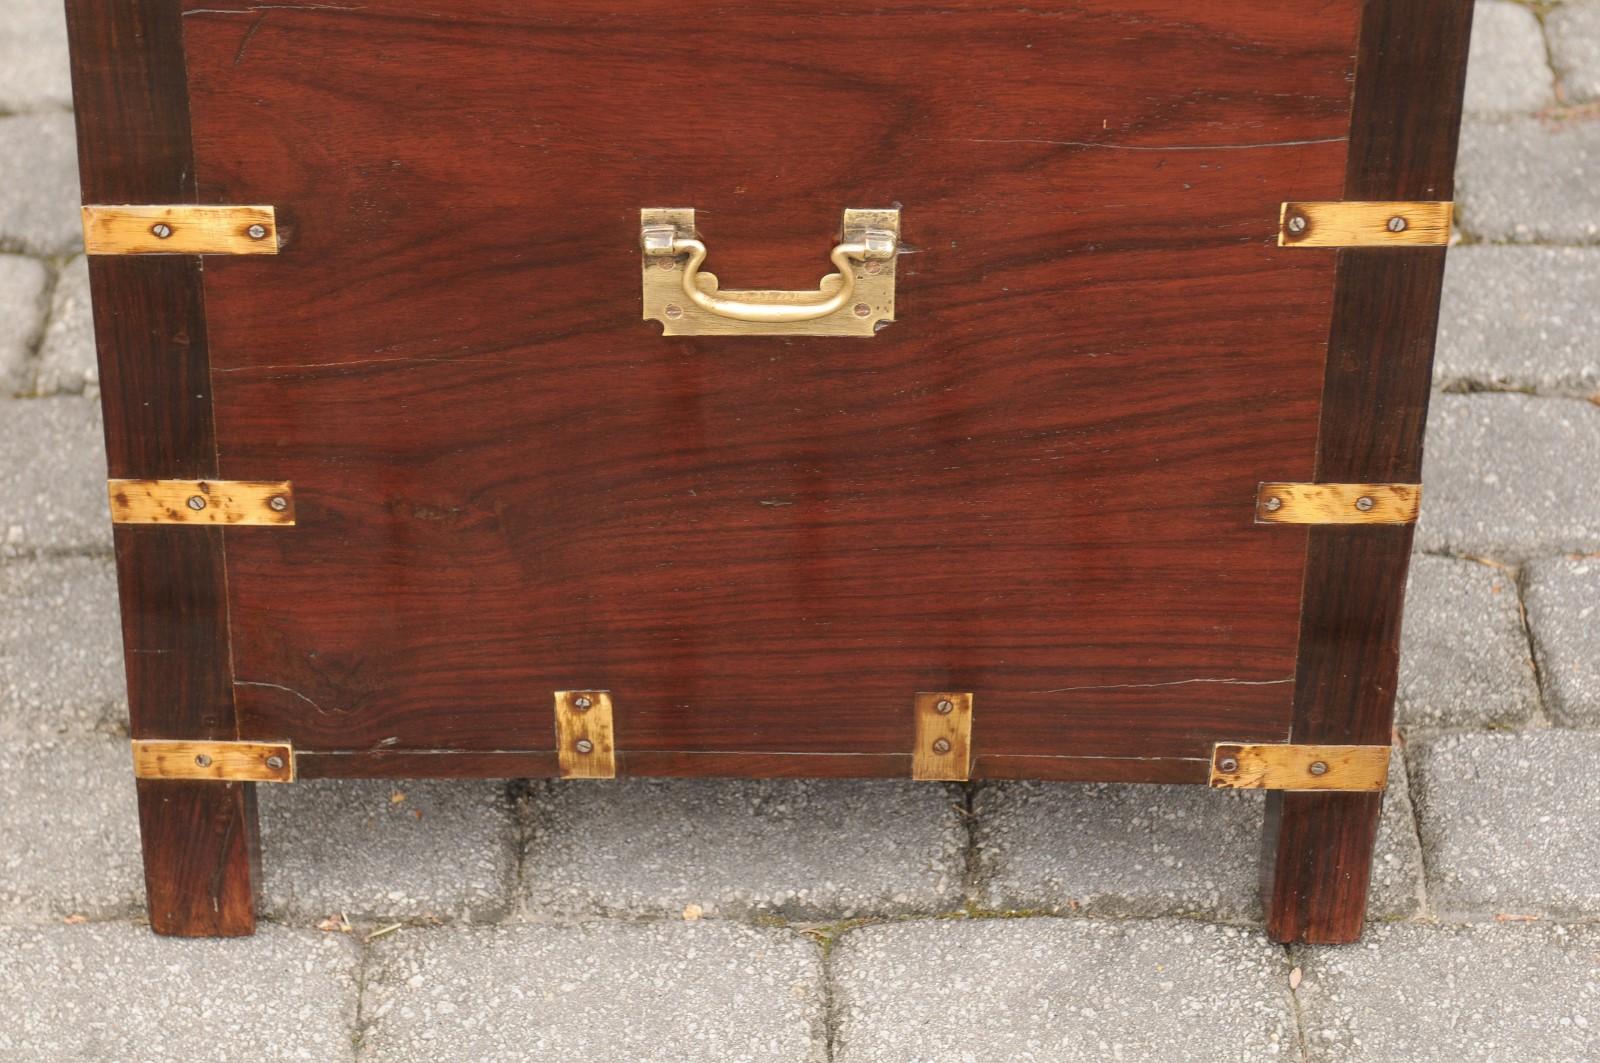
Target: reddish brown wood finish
[
  {"x": 1037, "y": 485},
  {"x": 1409, "y": 79},
  {"x": 199, "y": 839}
]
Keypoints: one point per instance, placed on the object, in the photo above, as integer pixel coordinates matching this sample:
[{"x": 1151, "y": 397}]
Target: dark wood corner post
[
  {"x": 1410, "y": 73},
  {"x": 200, "y": 840}
]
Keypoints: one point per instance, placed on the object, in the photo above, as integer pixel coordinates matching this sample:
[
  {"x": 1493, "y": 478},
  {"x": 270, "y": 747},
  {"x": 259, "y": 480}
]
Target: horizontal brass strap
[
  {"x": 1365, "y": 223},
  {"x": 1239, "y": 766},
  {"x": 180, "y": 229},
  {"x": 213, "y": 761},
  {"x": 201, "y": 501},
  {"x": 1297, "y": 503}
]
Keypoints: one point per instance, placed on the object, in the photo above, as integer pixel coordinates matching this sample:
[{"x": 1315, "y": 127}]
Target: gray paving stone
[
  {"x": 387, "y": 849},
  {"x": 794, "y": 848},
  {"x": 1520, "y": 317},
  {"x": 23, "y": 282},
  {"x": 1529, "y": 180},
  {"x": 39, "y": 185},
  {"x": 53, "y": 478},
  {"x": 1506, "y": 68},
  {"x": 69, "y": 830},
  {"x": 1448, "y": 994},
  {"x": 672, "y": 992},
  {"x": 1464, "y": 658},
  {"x": 1058, "y": 990},
  {"x": 1142, "y": 851},
  {"x": 118, "y": 992},
  {"x": 1574, "y": 29},
  {"x": 61, "y": 648},
  {"x": 67, "y": 357},
  {"x": 1510, "y": 477},
  {"x": 33, "y": 56},
  {"x": 1509, "y": 823},
  {"x": 1563, "y": 597}
]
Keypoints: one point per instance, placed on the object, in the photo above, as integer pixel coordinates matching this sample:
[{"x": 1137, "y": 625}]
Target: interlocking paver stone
[
  {"x": 393, "y": 849},
  {"x": 797, "y": 848},
  {"x": 119, "y": 992},
  {"x": 1509, "y": 821},
  {"x": 53, "y": 478},
  {"x": 673, "y": 992},
  {"x": 39, "y": 185},
  {"x": 1449, "y": 994},
  {"x": 60, "y": 647},
  {"x": 1530, "y": 180},
  {"x": 1125, "y": 850},
  {"x": 1520, "y": 317},
  {"x": 69, "y": 830},
  {"x": 23, "y": 282},
  {"x": 67, "y": 357},
  {"x": 1506, "y": 69},
  {"x": 1510, "y": 476},
  {"x": 1464, "y": 658},
  {"x": 33, "y": 56},
  {"x": 1575, "y": 48},
  {"x": 1059, "y": 990},
  {"x": 1564, "y": 613}
]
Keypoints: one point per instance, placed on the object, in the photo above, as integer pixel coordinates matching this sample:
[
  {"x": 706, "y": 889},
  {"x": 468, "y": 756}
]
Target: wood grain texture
[
  {"x": 1299, "y": 767},
  {"x": 1410, "y": 73},
  {"x": 1364, "y": 223},
  {"x": 943, "y": 746},
  {"x": 243, "y": 502},
  {"x": 179, "y": 230},
  {"x": 199, "y": 839},
  {"x": 1284, "y": 503},
  {"x": 508, "y": 483},
  {"x": 213, "y": 761}
]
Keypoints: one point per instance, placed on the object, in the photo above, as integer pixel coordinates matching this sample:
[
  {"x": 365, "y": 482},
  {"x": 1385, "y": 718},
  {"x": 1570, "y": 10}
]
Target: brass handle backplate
[{"x": 689, "y": 302}]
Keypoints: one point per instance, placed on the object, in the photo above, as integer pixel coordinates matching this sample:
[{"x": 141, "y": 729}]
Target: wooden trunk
[{"x": 463, "y": 511}]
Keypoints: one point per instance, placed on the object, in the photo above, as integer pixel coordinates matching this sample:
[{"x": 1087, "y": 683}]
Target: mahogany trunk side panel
[
  {"x": 200, "y": 841},
  {"x": 1410, "y": 75}
]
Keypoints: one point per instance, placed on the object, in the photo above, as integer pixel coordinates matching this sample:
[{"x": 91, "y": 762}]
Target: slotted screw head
[
  {"x": 1397, "y": 224},
  {"x": 1228, "y": 764},
  {"x": 161, "y": 230},
  {"x": 941, "y": 745},
  {"x": 862, "y": 310},
  {"x": 197, "y": 503},
  {"x": 257, "y": 232},
  {"x": 275, "y": 762},
  {"x": 1364, "y": 503},
  {"x": 583, "y": 745},
  {"x": 1319, "y": 768},
  {"x": 1273, "y": 504},
  {"x": 278, "y": 502},
  {"x": 582, "y": 702},
  {"x": 1297, "y": 224},
  {"x": 944, "y": 707},
  {"x": 674, "y": 310},
  {"x": 203, "y": 760}
]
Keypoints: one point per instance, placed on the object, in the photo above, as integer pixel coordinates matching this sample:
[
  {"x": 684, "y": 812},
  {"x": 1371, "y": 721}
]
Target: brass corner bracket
[
  {"x": 1365, "y": 223},
  {"x": 1238, "y": 766},
  {"x": 943, "y": 750},
  {"x": 585, "y": 748},
  {"x": 854, "y": 301},
  {"x": 201, "y": 501},
  {"x": 213, "y": 761},
  {"x": 180, "y": 229},
  {"x": 1302, "y": 503}
]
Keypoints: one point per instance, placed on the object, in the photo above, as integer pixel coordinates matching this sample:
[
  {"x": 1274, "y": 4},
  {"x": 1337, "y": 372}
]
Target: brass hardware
[
  {"x": 1237, "y": 766},
  {"x": 201, "y": 501},
  {"x": 213, "y": 761},
  {"x": 584, "y": 746},
  {"x": 689, "y": 302},
  {"x": 1292, "y": 503},
  {"x": 943, "y": 736},
  {"x": 180, "y": 229},
  {"x": 1362, "y": 223}
]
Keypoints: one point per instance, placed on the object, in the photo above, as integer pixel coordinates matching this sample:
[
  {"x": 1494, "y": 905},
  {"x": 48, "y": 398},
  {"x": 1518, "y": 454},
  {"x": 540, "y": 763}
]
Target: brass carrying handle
[{"x": 867, "y": 244}]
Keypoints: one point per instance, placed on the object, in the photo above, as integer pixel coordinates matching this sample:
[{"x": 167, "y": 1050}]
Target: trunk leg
[
  {"x": 201, "y": 857},
  {"x": 1317, "y": 863}
]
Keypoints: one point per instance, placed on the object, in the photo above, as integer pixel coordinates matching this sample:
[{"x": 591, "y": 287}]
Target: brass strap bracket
[
  {"x": 943, "y": 750},
  {"x": 180, "y": 229},
  {"x": 1365, "y": 223},
  {"x": 1238, "y": 766},
  {"x": 201, "y": 501},
  {"x": 1298, "y": 503},
  {"x": 213, "y": 761},
  {"x": 584, "y": 745}
]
